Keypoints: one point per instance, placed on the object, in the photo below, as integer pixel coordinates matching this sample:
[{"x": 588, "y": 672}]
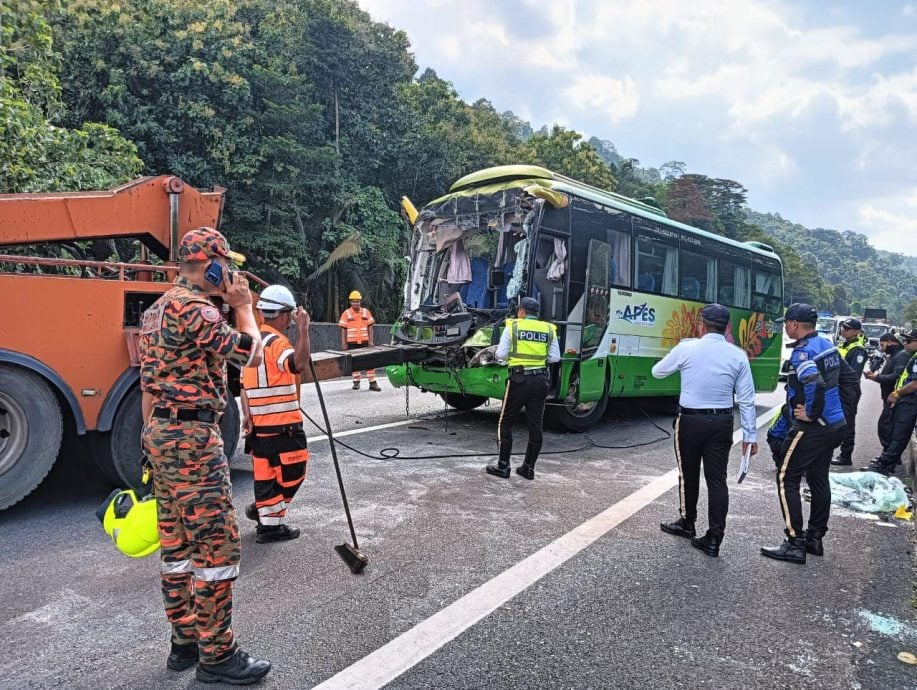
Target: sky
[{"x": 812, "y": 106}]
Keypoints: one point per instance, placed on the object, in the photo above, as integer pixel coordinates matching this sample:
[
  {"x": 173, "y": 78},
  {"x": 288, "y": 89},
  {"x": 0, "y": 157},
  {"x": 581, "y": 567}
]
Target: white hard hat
[{"x": 275, "y": 298}]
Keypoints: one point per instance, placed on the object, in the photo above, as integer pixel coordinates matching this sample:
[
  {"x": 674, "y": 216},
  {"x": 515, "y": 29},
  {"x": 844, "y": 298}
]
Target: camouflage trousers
[{"x": 198, "y": 533}]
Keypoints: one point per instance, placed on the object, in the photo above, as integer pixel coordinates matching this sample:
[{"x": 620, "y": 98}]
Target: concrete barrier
[{"x": 327, "y": 336}]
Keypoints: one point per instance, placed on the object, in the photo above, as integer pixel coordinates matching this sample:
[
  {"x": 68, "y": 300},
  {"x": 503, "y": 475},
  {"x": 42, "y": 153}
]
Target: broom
[{"x": 355, "y": 559}]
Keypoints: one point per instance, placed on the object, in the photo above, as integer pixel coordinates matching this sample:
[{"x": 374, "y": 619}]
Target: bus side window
[
  {"x": 657, "y": 267},
  {"x": 733, "y": 287},
  {"x": 697, "y": 276},
  {"x": 620, "y": 263}
]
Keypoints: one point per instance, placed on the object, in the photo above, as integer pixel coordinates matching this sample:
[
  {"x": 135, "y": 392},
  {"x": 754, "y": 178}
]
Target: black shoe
[
  {"x": 373, "y": 386},
  {"x": 878, "y": 468},
  {"x": 526, "y": 471},
  {"x": 680, "y": 528},
  {"x": 182, "y": 656},
  {"x": 239, "y": 669},
  {"x": 251, "y": 512},
  {"x": 813, "y": 544},
  {"x": 499, "y": 470},
  {"x": 793, "y": 549},
  {"x": 841, "y": 461},
  {"x": 708, "y": 543},
  {"x": 265, "y": 535}
]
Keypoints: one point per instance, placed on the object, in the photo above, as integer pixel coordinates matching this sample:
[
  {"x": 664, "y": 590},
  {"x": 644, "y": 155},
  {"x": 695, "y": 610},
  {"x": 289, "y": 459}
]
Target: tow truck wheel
[
  {"x": 572, "y": 416},
  {"x": 31, "y": 429},
  {"x": 463, "y": 402},
  {"x": 119, "y": 450}
]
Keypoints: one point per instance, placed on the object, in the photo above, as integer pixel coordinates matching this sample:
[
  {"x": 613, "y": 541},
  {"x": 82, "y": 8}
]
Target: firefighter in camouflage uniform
[{"x": 184, "y": 346}]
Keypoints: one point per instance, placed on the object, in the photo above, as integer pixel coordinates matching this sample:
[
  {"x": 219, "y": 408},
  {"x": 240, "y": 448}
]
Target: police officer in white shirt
[{"x": 712, "y": 369}]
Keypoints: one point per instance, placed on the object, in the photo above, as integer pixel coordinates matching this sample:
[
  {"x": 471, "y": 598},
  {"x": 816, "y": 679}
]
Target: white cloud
[
  {"x": 615, "y": 98},
  {"x": 891, "y": 223}
]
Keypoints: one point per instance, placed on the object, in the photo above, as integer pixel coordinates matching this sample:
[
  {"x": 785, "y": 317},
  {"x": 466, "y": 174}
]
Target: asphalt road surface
[{"x": 474, "y": 581}]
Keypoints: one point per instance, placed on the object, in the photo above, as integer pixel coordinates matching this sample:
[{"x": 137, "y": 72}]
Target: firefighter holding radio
[{"x": 184, "y": 346}]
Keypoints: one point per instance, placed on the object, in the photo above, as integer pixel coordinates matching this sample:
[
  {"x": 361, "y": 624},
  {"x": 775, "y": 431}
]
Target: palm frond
[{"x": 349, "y": 248}]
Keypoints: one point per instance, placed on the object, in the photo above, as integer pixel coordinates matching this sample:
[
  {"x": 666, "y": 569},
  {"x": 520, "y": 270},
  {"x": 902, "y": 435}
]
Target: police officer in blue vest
[
  {"x": 527, "y": 345},
  {"x": 817, "y": 427}
]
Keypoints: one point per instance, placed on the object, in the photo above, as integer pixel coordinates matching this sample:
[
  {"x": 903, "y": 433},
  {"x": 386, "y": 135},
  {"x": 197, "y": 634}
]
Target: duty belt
[
  {"x": 535, "y": 372},
  {"x": 709, "y": 410},
  {"x": 186, "y": 415}
]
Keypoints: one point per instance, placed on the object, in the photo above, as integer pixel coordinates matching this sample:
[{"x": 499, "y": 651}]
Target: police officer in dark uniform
[
  {"x": 814, "y": 401},
  {"x": 527, "y": 345},
  {"x": 853, "y": 350},
  {"x": 903, "y": 402},
  {"x": 896, "y": 358}
]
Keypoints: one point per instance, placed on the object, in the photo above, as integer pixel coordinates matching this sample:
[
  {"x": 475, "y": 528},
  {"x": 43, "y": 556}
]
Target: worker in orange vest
[
  {"x": 271, "y": 417},
  {"x": 357, "y": 331}
]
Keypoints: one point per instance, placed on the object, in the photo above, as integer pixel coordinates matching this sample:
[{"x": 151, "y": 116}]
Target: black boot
[
  {"x": 265, "y": 534},
  {"x": 680, "y": 528},
  {"x": 880, "y": 468},
  {"x": 239, "y": 669},
  {"x": 813, "y": 543},
  {"x": 793, "y": 549},
  {"x": 842, "y": 460},
  {"x": 527, "y": 468},
  {"x": 709, "y": 544},
  {"x": 182, "y": 656},
  {"x": 501, "y": 469}
]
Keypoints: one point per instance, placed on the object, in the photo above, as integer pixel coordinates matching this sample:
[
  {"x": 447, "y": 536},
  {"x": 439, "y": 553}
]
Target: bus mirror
[{"x": 496, "y": 277}]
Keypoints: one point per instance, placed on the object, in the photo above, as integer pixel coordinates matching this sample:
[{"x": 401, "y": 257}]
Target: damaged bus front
[{"x": 474, "y": 254}]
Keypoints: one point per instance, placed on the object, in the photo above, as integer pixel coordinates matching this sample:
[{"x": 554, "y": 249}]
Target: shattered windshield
[{"x": 478, "y": 255}]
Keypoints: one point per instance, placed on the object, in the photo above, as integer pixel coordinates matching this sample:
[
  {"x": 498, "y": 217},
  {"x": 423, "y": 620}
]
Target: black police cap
[
  {"x": 800, "y": 311},
  {"x": 716, "y": 314},
  {"x": 531, "y": 305},
  {"x": 910, "y": 335},
  {"x": 852, "y": 323}
]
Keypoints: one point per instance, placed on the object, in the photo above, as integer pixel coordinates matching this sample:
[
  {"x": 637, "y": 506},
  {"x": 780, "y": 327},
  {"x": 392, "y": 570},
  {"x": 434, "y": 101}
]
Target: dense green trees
[
  {"x": 311, "y": 114},
  {"x": 36, "y": 152}
]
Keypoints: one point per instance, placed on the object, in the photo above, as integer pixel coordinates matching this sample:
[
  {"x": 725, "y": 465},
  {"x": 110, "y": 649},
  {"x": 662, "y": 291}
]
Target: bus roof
[{"x": 513, "y": 176}]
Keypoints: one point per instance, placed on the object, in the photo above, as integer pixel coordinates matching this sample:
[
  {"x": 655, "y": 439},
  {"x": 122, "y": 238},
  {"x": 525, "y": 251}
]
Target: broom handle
[{"x": 334, "y": 455}]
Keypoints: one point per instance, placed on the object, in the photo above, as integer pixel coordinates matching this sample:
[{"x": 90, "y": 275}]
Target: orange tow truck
[{"x": 69, "y": 328}]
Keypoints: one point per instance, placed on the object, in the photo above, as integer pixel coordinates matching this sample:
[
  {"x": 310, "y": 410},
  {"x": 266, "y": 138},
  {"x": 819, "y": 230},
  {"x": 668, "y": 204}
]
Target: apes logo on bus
[{"x": 638, "y": 315}]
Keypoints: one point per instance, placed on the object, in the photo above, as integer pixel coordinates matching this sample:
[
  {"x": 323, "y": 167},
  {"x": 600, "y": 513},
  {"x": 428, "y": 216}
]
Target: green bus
[{"x": 623, "y": 283}]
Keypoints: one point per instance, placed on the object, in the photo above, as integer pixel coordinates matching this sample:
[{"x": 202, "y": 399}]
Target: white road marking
[
  {"x": 353, "y": 432},
  {"x": 413, "y": 646}
]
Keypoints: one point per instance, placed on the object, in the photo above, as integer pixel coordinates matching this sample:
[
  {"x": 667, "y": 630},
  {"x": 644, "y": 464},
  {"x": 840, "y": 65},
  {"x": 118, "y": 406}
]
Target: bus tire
[
  {"x": 579, "y": 418},
  {"x": 31, "y": 430},
  {"x": 463, "y": 402},
  {"x": 120, "y": 448}
]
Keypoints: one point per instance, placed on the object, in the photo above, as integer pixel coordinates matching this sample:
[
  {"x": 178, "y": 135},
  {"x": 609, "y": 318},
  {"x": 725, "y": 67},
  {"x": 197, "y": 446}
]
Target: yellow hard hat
[
  {"x": 131, "y": 522},
  {"x": 355, "y": 295}
]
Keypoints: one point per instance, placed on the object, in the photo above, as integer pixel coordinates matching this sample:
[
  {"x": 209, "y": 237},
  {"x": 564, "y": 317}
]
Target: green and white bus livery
[{"x": 623, "y": 283}]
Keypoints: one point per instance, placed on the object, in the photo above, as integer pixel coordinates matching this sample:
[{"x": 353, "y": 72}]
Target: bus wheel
[
  {"x": 463, "y": 402},
  {"x": 570, "y": 416},
  {"x": 120, "y": 448},
  {"x": 31, "y": 429}
]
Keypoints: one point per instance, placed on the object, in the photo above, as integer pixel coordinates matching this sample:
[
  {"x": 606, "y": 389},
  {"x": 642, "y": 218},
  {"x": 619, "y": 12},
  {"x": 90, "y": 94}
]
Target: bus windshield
[{"x": 475, "y": 249}]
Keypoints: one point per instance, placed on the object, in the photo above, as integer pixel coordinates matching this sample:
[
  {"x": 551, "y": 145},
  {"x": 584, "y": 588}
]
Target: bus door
[{"x": 593, "y": 323}]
